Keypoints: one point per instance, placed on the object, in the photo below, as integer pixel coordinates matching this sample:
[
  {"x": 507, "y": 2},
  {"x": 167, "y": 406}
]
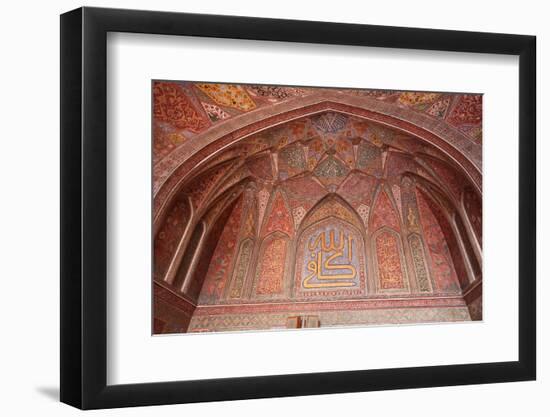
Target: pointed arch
[
  {"x": 458, "y": 218},
  {"x": 384, "y": 213},
  {"x": 169, "y": 237},
  {"x": 389, "y": 261},
  {"x": 448, "y": 177},
  {"x": 235, "y": 290},
  {"x": 472, "y": 205},
  {"x": 336, "y": 246},
  {"x": 200, "y": 190},
  {"x": 215, "y": 267},
  {"x": 327, "y": 195},
  {"x": 335, "y": 206},
  {"x": 272, "y": 266},
  {"x": 278, "y": 215},
  {"x": 186, "y": 268},
  {"x": 447, "y": 263},
  {"x": 420, "y": 264}
]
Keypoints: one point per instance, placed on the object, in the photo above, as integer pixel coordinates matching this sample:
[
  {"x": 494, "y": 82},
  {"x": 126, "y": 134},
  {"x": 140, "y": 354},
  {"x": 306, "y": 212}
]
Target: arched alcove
[
  {"x": 389, "y": 261},
  {"x": 270, "y": 278},
  {"x": 329, "y": 205},
  {"x": 330, "y": 255}
]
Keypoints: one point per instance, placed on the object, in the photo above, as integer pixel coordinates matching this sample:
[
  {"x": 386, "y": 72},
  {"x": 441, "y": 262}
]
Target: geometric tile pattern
[{"x": 236, "y": 322}]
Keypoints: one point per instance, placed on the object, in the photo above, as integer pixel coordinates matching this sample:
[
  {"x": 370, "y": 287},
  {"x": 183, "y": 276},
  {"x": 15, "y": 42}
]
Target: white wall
[{"x": 29, "y": 237}]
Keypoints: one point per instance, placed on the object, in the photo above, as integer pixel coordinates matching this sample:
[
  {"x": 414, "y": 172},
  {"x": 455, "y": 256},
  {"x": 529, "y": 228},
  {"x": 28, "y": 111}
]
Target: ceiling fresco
[{"x": 185, "y": 109}]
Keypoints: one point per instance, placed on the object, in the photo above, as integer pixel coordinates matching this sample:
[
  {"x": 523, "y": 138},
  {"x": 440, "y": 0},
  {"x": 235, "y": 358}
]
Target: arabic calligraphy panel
[
  {"x": 241, "y": 268},
  {"x": 330, "y": 261},
  {"x": 271, "y": 270},
  {"x": 389, "y": 259}
]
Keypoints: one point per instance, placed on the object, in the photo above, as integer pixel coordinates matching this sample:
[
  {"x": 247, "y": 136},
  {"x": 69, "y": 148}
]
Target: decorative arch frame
[
  {"x": 448, "y": 209},
  {"x": 382, "y": 187},
  {"x": 364, "y": 287},
  {"x": 275, "y": 192},
  {"x": 402, "y": 261},
  {"x": 183, "y": 284},
  {"x": 454, "y": 211},
  {"x": 265, "y": 241},
  {"x": 241, "y": 270},
  {"x": 478, "y": 238},
  {"x": 426, "y": 287},
  {"x": 181, "y": 241},
  {"x": 331, "y": 197},
  {"x": 227, "y": 197}
]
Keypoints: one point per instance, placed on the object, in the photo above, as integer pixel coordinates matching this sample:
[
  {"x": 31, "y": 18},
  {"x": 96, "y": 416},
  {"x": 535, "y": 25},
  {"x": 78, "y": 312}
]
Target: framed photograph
[{"x": 257, "y": 208}]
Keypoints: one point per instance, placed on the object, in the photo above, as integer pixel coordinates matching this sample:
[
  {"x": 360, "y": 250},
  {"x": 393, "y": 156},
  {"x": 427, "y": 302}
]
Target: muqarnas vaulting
[{"x": 290, "y": 207}]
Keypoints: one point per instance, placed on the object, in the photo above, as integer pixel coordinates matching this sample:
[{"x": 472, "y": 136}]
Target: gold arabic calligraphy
[{"x": 330, "y": 253}]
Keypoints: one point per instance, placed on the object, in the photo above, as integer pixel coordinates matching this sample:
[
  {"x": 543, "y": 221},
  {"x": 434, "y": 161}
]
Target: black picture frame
[{"x": 84, "y": 207}]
